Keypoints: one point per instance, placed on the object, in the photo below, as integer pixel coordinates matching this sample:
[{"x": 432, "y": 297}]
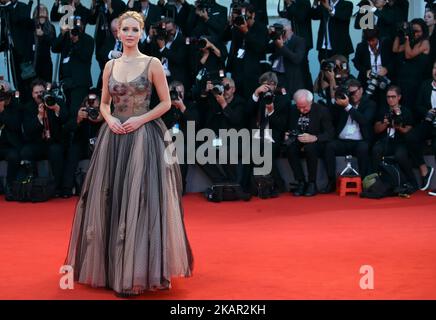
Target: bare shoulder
[{"x": 108, "y": 66}]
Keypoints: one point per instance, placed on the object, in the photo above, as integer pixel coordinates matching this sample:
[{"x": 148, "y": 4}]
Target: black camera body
[
  {"x": 161, "y": 31},
  {"x": 328, "y": 65},
  {"x": 199, "y": 42},
  {"x": 278, "y": 32},
  {"x": 91, "y": 109},
  {"x": 174, "y": 94},
  {"x": 405, "y": 29},
  {"x": 342, "y": 92},
  {"x": 395, "y": 117},
  {"x": 302, "y": 126},
  {"x": 268, "y": 97},
  {"x": 48, "y": 98},
  {"x": 376, "y": 81}
]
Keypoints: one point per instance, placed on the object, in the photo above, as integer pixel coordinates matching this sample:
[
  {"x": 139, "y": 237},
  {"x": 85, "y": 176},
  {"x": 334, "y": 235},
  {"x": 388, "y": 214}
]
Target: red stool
[{"x": 349, "y": 185}]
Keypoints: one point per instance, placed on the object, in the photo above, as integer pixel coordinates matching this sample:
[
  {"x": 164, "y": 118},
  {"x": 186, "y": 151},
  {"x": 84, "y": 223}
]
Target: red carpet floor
[{"x": 285, "y": 248}]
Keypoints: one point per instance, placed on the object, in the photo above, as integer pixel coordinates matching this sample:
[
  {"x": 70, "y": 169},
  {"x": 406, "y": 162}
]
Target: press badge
[
  {"x": 92, "y": 141},
  {"x": 217, "y": 142},
  {"x": 391, "y": 132},
  {"x": 241, "y": 53},
  {"x": 66, "y": 60}
]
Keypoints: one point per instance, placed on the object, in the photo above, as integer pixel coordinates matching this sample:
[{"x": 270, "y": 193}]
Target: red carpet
[{"x": 285, "y": 248}]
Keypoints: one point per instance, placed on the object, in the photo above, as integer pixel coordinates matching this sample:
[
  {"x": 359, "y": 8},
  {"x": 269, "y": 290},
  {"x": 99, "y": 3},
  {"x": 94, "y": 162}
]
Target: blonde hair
[{"x": 131, "y": 14}]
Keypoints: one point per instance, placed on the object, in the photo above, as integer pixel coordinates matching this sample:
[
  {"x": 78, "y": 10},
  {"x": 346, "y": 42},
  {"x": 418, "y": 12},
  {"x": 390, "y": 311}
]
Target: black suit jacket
[
  {"x": 362, "y": 59},
  {"x": 293, "y": 53},
  {"x": 423, "y": 102},
  {"x": 339, "y": 25},
  {"x": 364, "y": 115},
  {"x": 320, "y": 124},
  {"x": 277, "y": 120},
  {"x": 196, "y": 27},
  {"x": 387, "y": 21},
  {"x": 33, "y": 129},
  {"x": 299, "y": 13},
  {"x": 77, "y": 72},
  {"x": 154, "y": 14},
  {"x": 81, "y": 11},
  {"x": 11, "y": 120},
  {"x": 181, "y": 17}
]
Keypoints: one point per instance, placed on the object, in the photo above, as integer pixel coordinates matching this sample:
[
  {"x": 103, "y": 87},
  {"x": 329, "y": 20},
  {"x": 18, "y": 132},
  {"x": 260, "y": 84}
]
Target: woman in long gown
[{"x": 128, "y": 232}]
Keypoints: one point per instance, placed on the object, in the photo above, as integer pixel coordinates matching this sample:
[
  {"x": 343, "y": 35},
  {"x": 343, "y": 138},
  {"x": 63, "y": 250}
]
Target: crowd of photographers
[{"x": 229, "y": 69}]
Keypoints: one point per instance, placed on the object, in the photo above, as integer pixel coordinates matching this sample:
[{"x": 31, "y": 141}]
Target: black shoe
[
  {"x": 330, "y": 188},
  {"x": 427, "y": 179},
  {"x": 311, "y": 189},
  {"x": 432, "y": 193},
  {"x": 299, "y": 189}
]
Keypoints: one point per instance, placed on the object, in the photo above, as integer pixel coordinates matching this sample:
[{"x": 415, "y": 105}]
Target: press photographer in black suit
[
  {"x": 208, "y": 18},
  {"x": 152, "y": 13},
  {"x": 425, "y": 129},
  {"x": 288, "y": 51},
  {"x": 76, "y": 49},
  {"x": 79, "y": 11},
  {"x": 176, "y": 119},
  {"x": 309, "y": 129},
  {"x": 354, "y": 131},
  {"x": 333, "y": 34},
  {"x": 11, "y": 139},
  {"x": 43, "y": 119},
  {"x": 248, "y": 46},
  {"x": 102, "y": 14},
  {"x": 178, "y": 10},
  {"x": 374, "y": 61},
  {"x": 392, "y": 124},
  {"x": 298, "y": 12},
  {"x": 112, "y": 48},
  {"x": 83, "y": 131},
  {"x": 16, "y": 36},
  {"x": 268, "y": 110}
]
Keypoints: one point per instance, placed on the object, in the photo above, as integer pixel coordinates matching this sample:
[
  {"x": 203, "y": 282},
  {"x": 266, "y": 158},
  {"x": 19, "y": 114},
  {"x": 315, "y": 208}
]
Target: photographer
[
  {"x": 11, "y": 139},
  {"x": 334, "y": 72},
  {"x": 84, "y": 130},
  {"x": 248, "y": 46},
  {"x": 176, "y": 119},
  {"x": 220, "y": 108},
  {"x": 298, "y": 12},
  {"x": 102, "y": 14},
  {"x": 356, "y": 115},
  {"x": 152, "y": 13},
  {"x": 79, "y": 10},
  {"x": 425, "y": 129},
  {"x": 76, "y": 49},
  {"x": 333, "y": 34},
  {"x": 412, "y": 48},
  {"x": 112, "y": 48},
  {"x": 178, "y": 10},
  {"x": 268, "y": 109},
  {"x": 207, "y": 19},
  {"x": 168, "y": 44},
  {"x": 386, "y": 18},
  {"x": 430, "y": 21},
  {"x": 45, "y": 34},
  {"x": 43, "y": 119},
  {"x": 309, "y": 129},
  {"x": 287, "y": 56},
  {"x": 392, "y": 124},
  {"x": 374, "y": 61},
  {"x": 16, "y": 36}
]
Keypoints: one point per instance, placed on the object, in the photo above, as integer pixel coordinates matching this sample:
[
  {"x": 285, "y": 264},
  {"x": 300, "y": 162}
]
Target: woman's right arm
[
  {"x": 105, "y": 104},
  {"x": 396, "y": 48}
]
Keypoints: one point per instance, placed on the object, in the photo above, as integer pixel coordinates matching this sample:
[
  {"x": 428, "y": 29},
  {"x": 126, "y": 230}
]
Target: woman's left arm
[
  {"x": 159, "y": 80},
  {"x": 423, "y": 47}
]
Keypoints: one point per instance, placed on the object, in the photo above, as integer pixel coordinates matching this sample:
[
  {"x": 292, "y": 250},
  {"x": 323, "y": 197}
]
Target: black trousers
[
  {"x": 74, "y": 98},
  {"x": 400, "y": 153},
  {"x": 12, "y": 157},
  {"x": 357, "y": 148},
  {"x": 415, "y": 141},
  {"x": 42, "y": 151},
  {"x": 77, "y": 151},
  {"x": 310, "y": 151}
]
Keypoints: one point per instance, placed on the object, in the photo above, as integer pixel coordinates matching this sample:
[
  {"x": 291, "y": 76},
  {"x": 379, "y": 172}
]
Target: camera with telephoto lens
[
  {"x": 91, "y": 109},
  {"x": 200, "y": 42},
  {"x": 405, "y": 29},
  {"x": 431, "y": 117},
  {"x": 48, "y": 96},
  {"x": 342, "y": 92},
  {"x": 376, "y": 81},
  {"x": 174, "y": 94},
  {"x": 238, "y": 12},
  {"x": 218, "y": 87},
  {"x": 204, "y": 4},
  {"x": 277, "y": 31},
  {"x": 302, "y": 126},
  {"x": 77, "y": 26}
]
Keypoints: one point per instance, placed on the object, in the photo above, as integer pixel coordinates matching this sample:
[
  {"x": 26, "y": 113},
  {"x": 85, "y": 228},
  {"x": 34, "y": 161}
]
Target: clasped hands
[{"x": 128, "y": 126}]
